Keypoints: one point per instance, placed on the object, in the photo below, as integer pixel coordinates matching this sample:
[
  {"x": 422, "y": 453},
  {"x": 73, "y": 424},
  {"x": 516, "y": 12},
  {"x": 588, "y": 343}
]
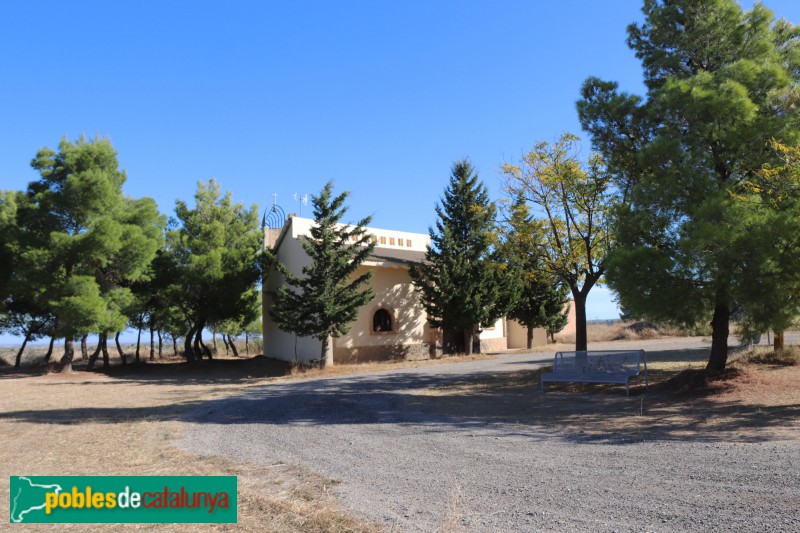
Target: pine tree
[
  {"x": 324, "y": 302},
  {"x": 216, "y": 255},
  {"x": 89, "y": 238},
  {"x": 463, "y": 284},
  {"x": 23, "y": 302},
  {"x": 721, "y": 84}
]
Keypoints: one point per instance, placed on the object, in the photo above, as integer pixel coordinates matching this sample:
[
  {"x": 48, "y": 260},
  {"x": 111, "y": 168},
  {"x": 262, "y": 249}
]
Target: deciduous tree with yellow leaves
[{"x": 573, "y": 203}]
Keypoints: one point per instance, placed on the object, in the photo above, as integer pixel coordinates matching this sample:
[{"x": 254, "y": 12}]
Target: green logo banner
[{"x": 122, "y": 499}]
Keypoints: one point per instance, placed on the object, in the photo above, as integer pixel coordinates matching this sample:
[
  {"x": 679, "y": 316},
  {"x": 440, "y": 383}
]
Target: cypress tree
[{"x": 326, "y": 299}]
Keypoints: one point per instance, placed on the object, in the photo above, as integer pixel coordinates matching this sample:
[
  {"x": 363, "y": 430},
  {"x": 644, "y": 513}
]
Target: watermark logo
[{"x": 122, "y": 499}]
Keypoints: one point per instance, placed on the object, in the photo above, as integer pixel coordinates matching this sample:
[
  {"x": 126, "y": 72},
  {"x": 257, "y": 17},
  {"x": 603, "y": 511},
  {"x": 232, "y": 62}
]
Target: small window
[
  {"x": 408, "y": 243},
  {"x": 383, "y": 240},
  {"x": 391, "y": 241},
  {"x": 399, "y": 242},
  {"x": 373, "y": 238},
  {"x": 381, "y": 321}
]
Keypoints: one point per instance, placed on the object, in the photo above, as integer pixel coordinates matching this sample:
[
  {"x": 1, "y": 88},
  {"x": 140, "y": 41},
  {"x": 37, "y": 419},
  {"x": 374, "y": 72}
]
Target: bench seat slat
[{"x": 587, "y": 379}]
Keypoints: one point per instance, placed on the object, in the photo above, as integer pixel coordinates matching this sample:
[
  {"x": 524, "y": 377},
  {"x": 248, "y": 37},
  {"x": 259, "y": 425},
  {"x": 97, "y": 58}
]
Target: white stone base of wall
[{"x": 494, "y": 345}]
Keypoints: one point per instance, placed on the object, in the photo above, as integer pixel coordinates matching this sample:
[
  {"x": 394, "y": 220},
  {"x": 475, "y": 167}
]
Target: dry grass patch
[
  {"x": 454, "y": 512},
  {"x": 629, "y": 331},
  {"x": 764, "y": 355},
  {"x": 93, "y": 424},
  {"x": 121, "y": 421}
]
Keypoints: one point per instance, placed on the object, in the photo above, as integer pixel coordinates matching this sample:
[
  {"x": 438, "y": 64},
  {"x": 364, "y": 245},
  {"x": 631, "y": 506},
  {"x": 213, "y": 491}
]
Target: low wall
[
  {"x": 494, "y": 345},
  {"x": 407, "y": 352},
  {"x": 363, "y": 354}
]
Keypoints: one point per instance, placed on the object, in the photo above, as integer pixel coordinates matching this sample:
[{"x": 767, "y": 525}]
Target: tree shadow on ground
[
  {"x": 171, "y": 372},
  {"x": 600, "y": 413},
  {"x": 505, "y": 402}
]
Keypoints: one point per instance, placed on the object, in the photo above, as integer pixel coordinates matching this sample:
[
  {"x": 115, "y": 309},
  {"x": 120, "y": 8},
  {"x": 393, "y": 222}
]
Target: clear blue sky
[{"x": 280, "y": 97}]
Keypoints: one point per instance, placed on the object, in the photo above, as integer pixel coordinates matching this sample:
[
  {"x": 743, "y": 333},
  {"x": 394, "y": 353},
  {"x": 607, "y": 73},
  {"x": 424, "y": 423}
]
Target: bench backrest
[{"x": 618, "y": 362}]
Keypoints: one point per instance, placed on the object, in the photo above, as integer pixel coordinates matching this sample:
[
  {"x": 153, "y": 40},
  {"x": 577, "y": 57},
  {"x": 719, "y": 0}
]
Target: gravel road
[{"x": 403, "y": 464}]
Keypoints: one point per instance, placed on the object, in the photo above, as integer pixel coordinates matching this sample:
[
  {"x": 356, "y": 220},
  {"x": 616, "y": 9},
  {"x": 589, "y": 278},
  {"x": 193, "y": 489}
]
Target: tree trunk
[
  {"x": 49, "y": 349},
  {"x": 214, "y": 340},
  {"x": 18, "y": 359},
  {"x": 174, "y": 346},
  {"x": 719, "y": 338},
  {"x": 206, "y": 349},
  {"x": 452, "y": 342},
  {"x": 778, "y": 347},
  {"x": 246, "y": 344},
  {"x": 326, "y": 355},
  {"x": 96, "y": 353},
  {"x": 227, "y": 348},
  {"x": 69, "y": 353},
  {"x": 138, "y": 343},
  {"x": 160, "y": 342},
  {"x": 468, "y": 341},
  {"x": 196, "y": 343},
  {"x": 122, "y": 355},
  {"x": 581, "y": 339},
  {"x": 199, "y": 345},
  {"x": 188, "y": 351},
  {"x": 152, "y": 345},
  {"x": 104, "y": 348},
  {"x": 84, "y": 348},
  {"x": 233, "y": 346},
  {"x": 530, "y": 337}
]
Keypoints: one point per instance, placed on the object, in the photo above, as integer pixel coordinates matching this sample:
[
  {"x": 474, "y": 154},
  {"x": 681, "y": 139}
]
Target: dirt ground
[
  {"x": 756, "y": 400},
  {"x": 123, "y": 422}
]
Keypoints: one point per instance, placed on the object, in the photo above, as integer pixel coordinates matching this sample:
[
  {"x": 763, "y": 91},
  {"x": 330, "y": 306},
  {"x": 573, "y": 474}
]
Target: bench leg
[
  {"x": 542, "y": 386},
  {"x": 627, "y": 389}
]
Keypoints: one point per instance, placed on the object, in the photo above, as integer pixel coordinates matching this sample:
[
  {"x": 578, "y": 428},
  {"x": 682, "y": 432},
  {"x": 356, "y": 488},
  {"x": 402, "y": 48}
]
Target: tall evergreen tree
[
  {"x": 80, "y": 227},
  {"x": 721, "y": 83},
  {"x": 216, "y": 255},
  {"x": 23, "y": 303},
  {"x": 8, "y": 227},
  {"x": 463, "y": 283},
  {"x": 138, "y": 232},
  {"x": 326, "y": 299}
]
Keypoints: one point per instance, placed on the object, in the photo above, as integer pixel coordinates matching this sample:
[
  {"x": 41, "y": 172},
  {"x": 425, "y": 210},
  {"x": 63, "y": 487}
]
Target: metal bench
[{"x": 603, "y": 366}]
